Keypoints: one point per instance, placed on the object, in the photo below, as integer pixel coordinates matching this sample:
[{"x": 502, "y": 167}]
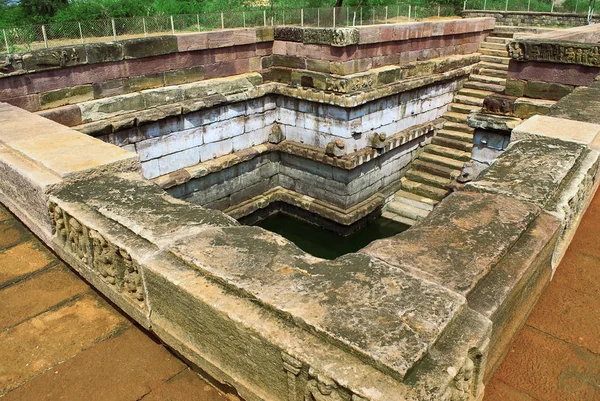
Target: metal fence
[
  {"x": 552, "y": 6},
  {"x": 32, "y": 37}
]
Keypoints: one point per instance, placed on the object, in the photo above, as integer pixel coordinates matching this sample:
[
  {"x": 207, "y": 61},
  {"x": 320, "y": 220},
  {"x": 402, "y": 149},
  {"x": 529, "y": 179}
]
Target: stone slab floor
[
  {"x": 556, "y": 356},
  {"x": 59, "y": 340}
]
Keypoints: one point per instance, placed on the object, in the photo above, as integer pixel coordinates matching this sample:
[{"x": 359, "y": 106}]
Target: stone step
[
  {"x": 474, "y": 101},
  {"x": 428, "y": 179},
  {"x": 490, "y": 72},
  {"x": 435, "y": 169},
  {"x": 488, "y": 80},
  {"x": 493, "y": 66},
  {"x": 441, "y": 160},
  {"x": 472, "y": 92},
  {"x": 455, "y": 126},
  {"x": 406, "y": 210},
  {"x": 455, "y": 135},
  {"x": 423, "y": 189},
  {"x": 450, "y": 153},
  {"x": 484, "y": 86},
  {"x": 493, "y": 52},
  {"x": 415, "y": 200},
  {"x": 457, "y": 155},
  {"x": 455, "y": 117},
  {"x": 453, "y": 144},
  {"x": 494, "y": 39},
  {"x": 493, "y": 46},
  {"x": 462, "y": 108},
  {"x": 495, "y": 59},
  {"x": 398, "y": 218}
]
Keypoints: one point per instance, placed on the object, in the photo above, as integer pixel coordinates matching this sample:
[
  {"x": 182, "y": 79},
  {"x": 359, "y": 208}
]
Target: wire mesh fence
[
  {"x": 551, "y": 6},
  {"x": 33, "y": 37}
]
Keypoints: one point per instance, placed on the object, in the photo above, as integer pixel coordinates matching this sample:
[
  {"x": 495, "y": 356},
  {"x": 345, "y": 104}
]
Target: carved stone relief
[
  {"x": 564, "y": 53},
  {"x": 111, "y": 263}
]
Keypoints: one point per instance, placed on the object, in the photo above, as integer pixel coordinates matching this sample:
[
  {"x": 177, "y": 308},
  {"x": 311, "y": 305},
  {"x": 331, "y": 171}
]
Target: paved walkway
[
  {"x": 59, "y": 340},
  {"x": 556, "y": 356}
]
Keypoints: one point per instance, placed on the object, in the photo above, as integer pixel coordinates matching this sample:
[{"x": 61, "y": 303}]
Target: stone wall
[{"x": 525, "y": 18}]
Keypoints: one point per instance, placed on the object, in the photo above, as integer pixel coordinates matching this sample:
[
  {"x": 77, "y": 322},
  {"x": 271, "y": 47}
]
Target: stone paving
[
  {"x": 60, "y": 340},
  {"x": 556, "y": 356}
]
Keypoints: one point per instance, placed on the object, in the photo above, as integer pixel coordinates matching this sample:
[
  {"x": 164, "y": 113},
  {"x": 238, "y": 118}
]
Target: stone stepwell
[{"x": 433, "y": 173}]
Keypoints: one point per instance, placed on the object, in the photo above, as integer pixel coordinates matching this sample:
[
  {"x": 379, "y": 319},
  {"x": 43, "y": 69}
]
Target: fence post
[
  {"x": 6, "y": 41},
  {"x": 222, "y": 21},
  {"x": 361, "y": 16},
  {"x": 265, "y": 16},
  {"x": 144, "y": 25},
  {"x": 373, "y": 16},
  {"x": 354, "y": 19},
  {"x": 465, "y": 5},
  {"x": 112, "y": 21},
  {"x": 409, "y": 10},
  {"x": 576, "y": 2},
  {"x": 506, "y": 5},
  {"x": 80, "y": 32},
  {"x": 318, "y": 17},
  {"x": 45, "y": 37},
  {"x": 334, "y": 17},
  {"x": 484, "y": 4},
  {"x": 244, "y": 18},
  {"x": 301, "y": 17},
  {"x": 172, "y": 26},
  {"x": 386, "y": 14},
  {"x": 552, "y": 8}
]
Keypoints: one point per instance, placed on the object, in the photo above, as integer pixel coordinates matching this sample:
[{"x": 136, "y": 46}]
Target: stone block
[
  {"x": 583, "y": 104},
  {"x": 492, "y": 122},
  {"x": 155, "y": 148},
  {"x": 499, "y": 104},
  {"x": 224, "y": 130},
  {"x": 67, "y": 115},
  {"x": 176, "y": 161},
  {"x": 28, "y": 102},
  {"x": 193, "y": 41},
  {"x": 557, "y": 128},
  {"x": 151, "y": 46},
  {"x": 544, "y": 90},
  {"x": 288, "y": 61},
  {"x": 288, "y": 34},
  {"x": 515, "y": 87},
  {"x": 343, "y": 67},
  {"x": 318, "y": 65},
  {"x": 148, "y": 81},
  {"x": 218, "y": 39},
  {"x": 44, "y": 59},
  {"x": 264, "y": 34},
  {"x": 216, "y": 149},
  {"x": 110, "y": 107},
  {"x": 525, "y": 107},
  {"x": 103, "y": 52},
  {"x": 162, "y": 96},
  {"x": 110, "y": 88},
  {"x": 61, "y": 97}
]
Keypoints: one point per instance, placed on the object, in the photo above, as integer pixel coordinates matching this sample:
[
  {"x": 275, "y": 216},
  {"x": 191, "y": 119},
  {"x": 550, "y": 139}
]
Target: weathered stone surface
[
  {"x": 103, "y": 52},
  {"x": 288, "y": 33},
  {"x": 544, "y": 90},
  {"x": 54, "y": 58},
  {"x": 460, "y": 241},
  {"x": 67, "y": 115},
  {"x": 492, "y": 121},
  {"x": 531, "y": 170},
  {"x": 151, "y": 46},
  {"x": 261, "y": 257},
  {"x": 61, "y": 97},
  {"x": 515, "y": 87},
  {"x": 559, "y": 128},
  {"x": 525, "y": 107},
  {"x": 583, "y": 104},
  {"x": 109, "y": 107},
  {"x": 499, "y": 104}
]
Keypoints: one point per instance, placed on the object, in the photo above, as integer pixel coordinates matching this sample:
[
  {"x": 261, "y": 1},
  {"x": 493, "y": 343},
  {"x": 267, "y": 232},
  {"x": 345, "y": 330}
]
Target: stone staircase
[{"x": 430, "y": 176}]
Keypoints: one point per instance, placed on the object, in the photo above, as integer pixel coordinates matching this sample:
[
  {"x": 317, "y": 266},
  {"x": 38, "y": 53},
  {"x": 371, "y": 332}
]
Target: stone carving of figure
[
  {"x": 321, "y": 390},
  {"x": 57, "y": 216},
  {"x": 77, "y": 240},
  {"x": 515, "y": 50},
  {"x": 132, "y": 278},
  {"x": 104, "y": 258},
  {"x": 462, "y": 383}
]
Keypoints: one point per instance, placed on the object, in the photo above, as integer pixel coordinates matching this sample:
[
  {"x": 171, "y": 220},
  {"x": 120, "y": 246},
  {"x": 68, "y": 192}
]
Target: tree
[{"x": 42, "y": 10}]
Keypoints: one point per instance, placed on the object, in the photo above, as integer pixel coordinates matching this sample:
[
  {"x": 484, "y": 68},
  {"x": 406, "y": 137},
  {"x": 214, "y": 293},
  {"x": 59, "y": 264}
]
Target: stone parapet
[
  {"x": 423, "y": 315},
  {"x": 531, "y": 18}
]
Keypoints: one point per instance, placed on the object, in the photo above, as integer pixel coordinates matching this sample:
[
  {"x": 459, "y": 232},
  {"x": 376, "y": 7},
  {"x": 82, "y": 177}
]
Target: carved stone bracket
[{"x": 111, "y": 263}]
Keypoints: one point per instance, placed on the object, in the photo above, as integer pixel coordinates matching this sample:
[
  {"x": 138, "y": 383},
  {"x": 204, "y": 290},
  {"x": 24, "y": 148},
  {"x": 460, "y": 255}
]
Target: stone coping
[
  {"x": 569, "y": 46},
  {"x": 400, "y": 319},
  {"x": 346, "y": 162}
]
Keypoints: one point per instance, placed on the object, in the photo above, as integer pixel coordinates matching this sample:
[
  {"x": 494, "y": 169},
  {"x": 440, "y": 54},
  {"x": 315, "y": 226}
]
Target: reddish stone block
[
  {"x": 451, "y": 27},
  {"x": 13, "y": 87},
  {"x": 365, "y": 64},
  {"x": 264, "y": 48},
  {"x": 367, "y": 51},
  {"x": 155, "y": 64},
  {"x": 566, "y": 74},
  {"x": 437, "y": 28},
  {"x": 221, "y": 39},
  {"x": 29, "y": 102},
  {"x": 219, "y": 70},
  {"x": 202, "y": 57},
  {"x": 241, "y": 66},
  {"x": 194, "y": 41},
  {"x": 369, "y": 34},
  {"x": 279, "y": 47},
  {"x": 69, "y": 115},
  {"x": 244, "y": 36},
  {"x": 255, "y": 64},
  {"x": 419, "y": 44}
]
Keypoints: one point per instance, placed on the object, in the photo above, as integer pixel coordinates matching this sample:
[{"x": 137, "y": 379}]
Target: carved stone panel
[
  {"x": 113, "y": 264},
  {"x": 587, "y": 54}
]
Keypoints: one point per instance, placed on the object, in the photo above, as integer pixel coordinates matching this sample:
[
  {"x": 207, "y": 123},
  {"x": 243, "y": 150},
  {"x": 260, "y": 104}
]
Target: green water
[{"x": 324, "y": 243}]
